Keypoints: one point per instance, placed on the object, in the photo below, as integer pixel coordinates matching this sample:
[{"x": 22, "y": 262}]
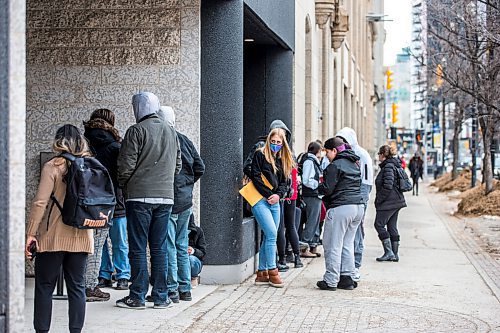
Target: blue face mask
[{"x": 275, "y": 148}]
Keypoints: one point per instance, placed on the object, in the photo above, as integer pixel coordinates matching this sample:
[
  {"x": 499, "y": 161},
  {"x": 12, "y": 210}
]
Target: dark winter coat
[
  {"x": 192, "y": 169},
  {"x": 197, "y": 239},
  {"x": 106, "y": 148},
  {"x": 388, "y": 195},
  {"x": 416, "y": 167},
  {"x": 260, "y": 166},
  {"x": 342, "y": 181}
]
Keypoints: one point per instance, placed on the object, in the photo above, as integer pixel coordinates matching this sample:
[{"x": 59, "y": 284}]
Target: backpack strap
[
  {"x": 52, "y": 196},
  {"x": 68, "y": 156}
]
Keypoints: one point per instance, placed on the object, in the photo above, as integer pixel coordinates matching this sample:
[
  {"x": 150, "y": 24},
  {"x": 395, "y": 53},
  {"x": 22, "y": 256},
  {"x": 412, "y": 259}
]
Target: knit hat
[
  {"x": 145, "y": 104},
  {"x": 104, "y": 114}
]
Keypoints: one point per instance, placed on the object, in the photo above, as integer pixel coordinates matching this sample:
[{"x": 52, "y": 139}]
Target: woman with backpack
[
  {"x": 57, "y": 244},
  {"x": 274, "y": 162},
  {"x": 388, "y": 201}
]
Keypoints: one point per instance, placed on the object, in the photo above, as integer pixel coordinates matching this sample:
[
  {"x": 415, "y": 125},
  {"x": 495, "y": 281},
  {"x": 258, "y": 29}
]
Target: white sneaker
[{"x": 356, "y": 276}]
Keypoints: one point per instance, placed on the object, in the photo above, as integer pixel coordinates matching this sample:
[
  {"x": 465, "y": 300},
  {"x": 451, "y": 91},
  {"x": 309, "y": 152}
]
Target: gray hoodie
[
  {"x": 366, "y": 163},
  {"x": 145, "y": 104}
]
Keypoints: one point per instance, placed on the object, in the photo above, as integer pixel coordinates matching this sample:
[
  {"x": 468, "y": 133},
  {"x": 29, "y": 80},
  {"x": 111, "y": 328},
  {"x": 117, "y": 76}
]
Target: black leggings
[
  {"x": 415, "y": 184},
  {"x": 387, "y": 218},
  {"x": 47, "y": 268},
  {"x": 287, "y": 225}
]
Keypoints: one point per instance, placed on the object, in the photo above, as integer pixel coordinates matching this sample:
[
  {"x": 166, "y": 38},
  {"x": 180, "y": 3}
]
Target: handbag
[{"x": 250, "y": 194}]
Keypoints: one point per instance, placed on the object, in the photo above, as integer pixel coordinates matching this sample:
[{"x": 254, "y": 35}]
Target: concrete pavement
[{"x": 434, "y": 288}]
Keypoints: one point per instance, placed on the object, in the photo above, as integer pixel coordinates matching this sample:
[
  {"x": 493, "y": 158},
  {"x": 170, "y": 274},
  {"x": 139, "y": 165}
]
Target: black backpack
[
  {"x": 90, "y": 197},
  {"x": 403, "y": 182}
]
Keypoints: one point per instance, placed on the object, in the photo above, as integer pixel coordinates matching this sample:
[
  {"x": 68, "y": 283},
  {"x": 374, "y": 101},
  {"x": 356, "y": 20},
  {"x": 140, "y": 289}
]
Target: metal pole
[{"x": 443, "y": 130}]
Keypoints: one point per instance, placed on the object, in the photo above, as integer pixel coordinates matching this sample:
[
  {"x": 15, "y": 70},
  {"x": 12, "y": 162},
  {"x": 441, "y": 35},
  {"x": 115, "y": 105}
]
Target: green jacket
[{"x": 149, "y": 158}]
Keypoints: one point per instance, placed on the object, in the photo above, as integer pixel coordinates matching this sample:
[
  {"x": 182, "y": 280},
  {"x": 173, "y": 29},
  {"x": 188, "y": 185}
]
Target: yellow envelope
[{"x": 250, "y": 193}]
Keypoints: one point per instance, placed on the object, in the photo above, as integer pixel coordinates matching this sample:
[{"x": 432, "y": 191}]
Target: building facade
[{"x": 338, "y": 76}]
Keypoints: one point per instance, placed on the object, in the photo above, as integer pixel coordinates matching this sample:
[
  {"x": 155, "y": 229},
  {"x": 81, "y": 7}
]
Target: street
[{"x": 434, "y": 288}]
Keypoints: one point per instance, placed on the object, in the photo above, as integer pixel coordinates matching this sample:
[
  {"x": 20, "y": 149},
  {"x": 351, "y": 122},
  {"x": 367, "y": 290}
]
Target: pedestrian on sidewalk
[
  {"x": 416, "y": 170},
  {"x": 388, "y": 201},
  {"x": 104, "y": 141},
  {"x": 179, "y": 272},
  {"x": 149, "y": 159},
  {"x": 343, "y": 199},
  {"x": 197, "y": 250},
  {"x": 311, "y": 172},
  {"x": 274, "y": 161},
  {"x": 366, "y": 167},
  {"x": 291, "y": 235},
  {"x": 57, "y": 244}
]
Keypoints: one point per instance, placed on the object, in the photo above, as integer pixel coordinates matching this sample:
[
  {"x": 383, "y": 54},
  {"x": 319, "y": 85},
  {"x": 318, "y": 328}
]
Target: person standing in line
[
  {"x": 311, "y": 173},
  {"x": 274, "y": 161},
  {"x": 149, "y": 159},
  {"x": 104, "y": 142},
  {"x": 57, "y": 244},
  {"x": 388, "y": 202},
  {"x": 342, "y": 197},
  {"x": 417, "y": 171},
  {"x": 366, "y": 167},
  {"x": 179, "y": 273}
]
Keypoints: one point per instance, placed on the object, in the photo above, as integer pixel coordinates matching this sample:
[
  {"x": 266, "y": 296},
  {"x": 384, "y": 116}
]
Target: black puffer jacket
[
  {"x": 342, "y": 181},
  {"x": 105, "y": 147},
  {"x": 388, "y": 195},
  {"x": 260, "y": 166},
  {"x": 192, "y": 169}
]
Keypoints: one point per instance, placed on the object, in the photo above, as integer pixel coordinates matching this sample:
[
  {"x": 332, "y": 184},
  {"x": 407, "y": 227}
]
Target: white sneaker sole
[{"x": 125, "y": 306}]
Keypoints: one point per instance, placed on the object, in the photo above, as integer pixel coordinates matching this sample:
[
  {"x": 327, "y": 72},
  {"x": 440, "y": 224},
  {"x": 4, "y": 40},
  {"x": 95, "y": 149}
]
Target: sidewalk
[{"x": 434, "y": 288}]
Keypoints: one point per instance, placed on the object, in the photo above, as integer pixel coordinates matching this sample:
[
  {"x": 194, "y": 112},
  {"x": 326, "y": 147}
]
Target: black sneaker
[
  {"x": 163, "y": 305},
  {"x": 282, "y": 267},
  {"x": 324, "y": 286},
  {"x": 289, "y": 258},
  {"x": 149, "y": 299},
  {"x": 129, "y": 303},
  {"x": 347, "y": 283},
  {"x": 122, "y": 284},
  {"x": 96, "y": 295},
  {"x": 185, "y": 296},
  {"x": 104, "y": 283},
  {"x": 174, "y": 296}
]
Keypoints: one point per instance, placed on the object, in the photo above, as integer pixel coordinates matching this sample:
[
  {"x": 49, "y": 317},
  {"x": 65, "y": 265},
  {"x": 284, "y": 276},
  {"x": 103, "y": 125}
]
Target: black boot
[
  {"x": 346, "y": 282},
  {"x": 298, "y": 263},
  {"x": 388, "y": 254},
  {"x": 289, "y": 257},
  {"x": 395, "y": 248},
  {"x": 282, "y": 266}
]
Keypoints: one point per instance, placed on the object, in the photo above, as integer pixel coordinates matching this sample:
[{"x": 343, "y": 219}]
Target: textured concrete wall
[{"x": 84, "y": 55}]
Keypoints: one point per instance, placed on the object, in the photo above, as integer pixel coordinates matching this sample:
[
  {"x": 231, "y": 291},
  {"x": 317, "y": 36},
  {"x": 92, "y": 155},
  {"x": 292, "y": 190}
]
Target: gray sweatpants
[
  {"x": 340, "y": 228},
  {"x": 94, "y": 260}
]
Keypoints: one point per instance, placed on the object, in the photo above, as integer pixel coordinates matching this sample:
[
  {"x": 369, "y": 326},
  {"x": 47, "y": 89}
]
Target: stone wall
[{"x": 83, "y": 55}]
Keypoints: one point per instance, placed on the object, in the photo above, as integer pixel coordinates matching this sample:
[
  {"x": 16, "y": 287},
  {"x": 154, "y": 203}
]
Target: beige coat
[{"x": 54, "y": 235}]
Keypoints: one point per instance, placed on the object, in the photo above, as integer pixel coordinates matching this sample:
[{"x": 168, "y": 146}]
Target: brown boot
[
  {"x": 274, "y": 278},
  {"x": 307, "y": 254},
  {"x": 262, "y": 278}
]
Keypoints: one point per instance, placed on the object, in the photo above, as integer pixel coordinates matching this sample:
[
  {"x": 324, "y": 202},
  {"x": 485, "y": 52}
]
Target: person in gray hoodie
[
  {"x": 366, "y": 167},
  {"x": 149, "y": 159}
]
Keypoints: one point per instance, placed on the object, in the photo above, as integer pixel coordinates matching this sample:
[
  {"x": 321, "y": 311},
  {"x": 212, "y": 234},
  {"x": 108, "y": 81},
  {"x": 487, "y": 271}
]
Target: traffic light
[
  {"x": 395, "y": 113},
  {"x": 389, "y": 73}
]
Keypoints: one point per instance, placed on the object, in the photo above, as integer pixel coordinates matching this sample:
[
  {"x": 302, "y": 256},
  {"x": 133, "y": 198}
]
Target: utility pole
[
  {"x": 443, "y": 131},
  {"x": 475, "y": 114}
]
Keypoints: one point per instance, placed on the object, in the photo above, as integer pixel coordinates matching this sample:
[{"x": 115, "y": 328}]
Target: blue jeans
[
  {"x": 360, "y": 233},
  {"x": 196, "y": 266},
  {"x": 268, "y": 218},
  {"x": 148, "y": 223},
  {"x": 118, "y": 237},
  {"x": 179, "y": 269}
]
